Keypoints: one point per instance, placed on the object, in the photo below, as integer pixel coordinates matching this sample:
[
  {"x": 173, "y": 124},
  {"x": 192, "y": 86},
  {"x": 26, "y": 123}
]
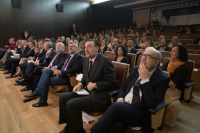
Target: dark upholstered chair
[
  {"x": 110, "y": 54},
  {"x": 132, "y": 59}
]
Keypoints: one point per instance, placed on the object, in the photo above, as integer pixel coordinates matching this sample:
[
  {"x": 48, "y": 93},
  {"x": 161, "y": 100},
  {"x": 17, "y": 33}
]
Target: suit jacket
[
  {"x": 74, "y": 66},
  {"x": 102, "y": 73},
  {"x": 45, "y": 61},
  {"x": 153, "y": 92},
  {"x": 82, "y": 52},
  {"x": 31, "y": 52},
  {"x": 25, "y": 51},
  {"x": 60, "y": 60},
  {"x": 167, "y": 48},
  {"x": 133, "y": 50},
  {"x": 39, "y": 55}
]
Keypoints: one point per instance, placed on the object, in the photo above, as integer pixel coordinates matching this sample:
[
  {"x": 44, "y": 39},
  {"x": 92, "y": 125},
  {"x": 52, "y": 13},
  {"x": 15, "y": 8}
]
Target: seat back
[
  {"x": 192, "y": 51},
  {"x": 164, "y": 62},
  {"x": 193, "y": 46},
  {"x": 191, "y": 65},
  {"x": 132, "y": 59},
  {"x": 196, "y": 58},
  {"x": 110, "y": 54},
  {"x": 197, "y": 51},
  {"x": 138, "y": 60},
  {"x": 165, "y": 54},
  {"x": 121, "y": 70}
]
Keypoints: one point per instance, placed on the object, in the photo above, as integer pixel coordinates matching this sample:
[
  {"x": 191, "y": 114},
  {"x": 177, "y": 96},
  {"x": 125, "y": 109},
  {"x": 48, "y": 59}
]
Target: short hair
[
  {"x": 159, "y": 55},
  {"x": 182, "y": 52},
  {"x": 62, "y": 44},
  {"x": 49, "y": 44},
  {"x": 76, "y": 44},
  {"x": 83, "y": 42},
  {"x": 150, "y": 41},
  {"x": 96, "y": 43},
  {"x": 32, "y": 42},
  {"x": 116, "y": 39},
  {"x": 175, "y": 37},
  {"x": 125, "y": 51},
  {"x": 162, "y": 38},
  {"x": 52, "y": 39}
]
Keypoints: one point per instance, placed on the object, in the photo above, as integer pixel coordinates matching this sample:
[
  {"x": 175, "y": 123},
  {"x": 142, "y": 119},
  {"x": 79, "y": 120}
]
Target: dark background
[{"x": 40, "y": 18}]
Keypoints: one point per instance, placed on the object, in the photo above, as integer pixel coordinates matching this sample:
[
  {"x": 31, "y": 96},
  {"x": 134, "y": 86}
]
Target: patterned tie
[
  {"x": 65, "y": 64},
  {"x": 136, "y": 93},
  {"x": 90, "y": 68},
  {"x": 23, "y": 50},
  {"x": 50, "y": 64}
]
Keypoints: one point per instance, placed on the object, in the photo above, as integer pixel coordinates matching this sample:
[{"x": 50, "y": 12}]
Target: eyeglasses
[{"x": 147, "y": 56}]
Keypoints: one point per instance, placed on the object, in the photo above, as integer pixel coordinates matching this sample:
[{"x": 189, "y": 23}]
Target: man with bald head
[{"x": 145, "y": 88}]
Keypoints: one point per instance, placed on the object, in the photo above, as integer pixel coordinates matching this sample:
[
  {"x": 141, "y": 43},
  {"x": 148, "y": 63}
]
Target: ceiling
[{"x": 135, "y": 4}]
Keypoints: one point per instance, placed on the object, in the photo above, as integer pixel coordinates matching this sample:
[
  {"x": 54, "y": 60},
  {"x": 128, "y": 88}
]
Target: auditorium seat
[
  {"x": 110, "y": 54},
  {"x": 197, "y": 51},
  {"x": 188, "y": 85},
  {"x": 132, "y": 59},
  {"x": 193, "y": 46},
  {"x": 191, "y": 51},
  {"x": 196, "y": 58}
]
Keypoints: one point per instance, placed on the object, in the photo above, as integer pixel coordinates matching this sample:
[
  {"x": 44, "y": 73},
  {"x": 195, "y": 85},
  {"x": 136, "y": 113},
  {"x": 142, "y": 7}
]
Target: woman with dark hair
[
  {"x": 121, "y": 54},
  {"x": 177, "y": 68}
]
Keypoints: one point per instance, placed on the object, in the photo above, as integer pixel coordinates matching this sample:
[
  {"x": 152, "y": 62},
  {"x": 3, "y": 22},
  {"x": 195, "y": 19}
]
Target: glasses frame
[{"x": 148, "y": 56}]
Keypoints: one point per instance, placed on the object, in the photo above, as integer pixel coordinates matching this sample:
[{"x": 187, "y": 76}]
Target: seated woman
[
  {"x": 177, "y": 68},
  {"x": 121, "y": 52}
]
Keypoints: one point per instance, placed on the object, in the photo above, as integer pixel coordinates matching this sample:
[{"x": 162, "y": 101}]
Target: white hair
[{"x": 159, "y": 55}]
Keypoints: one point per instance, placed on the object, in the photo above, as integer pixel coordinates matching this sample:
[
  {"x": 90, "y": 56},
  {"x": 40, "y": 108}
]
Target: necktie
[
  {"x": 90, "y": 67},
  {"x": 136, "y": 93},
  {"x": 50, "y": 64},
  {"x": 65, "y": 64},
  {"x": 23, "y": 50}
]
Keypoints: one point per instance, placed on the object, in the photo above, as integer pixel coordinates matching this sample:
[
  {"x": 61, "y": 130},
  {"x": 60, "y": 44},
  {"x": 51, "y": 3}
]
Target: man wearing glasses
[{"x": 144, "y": 88}]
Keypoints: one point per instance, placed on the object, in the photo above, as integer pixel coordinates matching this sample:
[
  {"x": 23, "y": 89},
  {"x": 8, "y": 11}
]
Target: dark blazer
[
  {"x": 82, "y": 52},
  {"x": 124, "y": 60},
  {"x": 167, "y": 48},
  {"x": 74, "y": 66},
  {"x": 60, "y": 60},
  {"x": 25, "y": 51},
  {"x": 39, "y": 55},
  {"x": 179, "y": 75},
  {"x": 133, "y": 50},
  {"x": 31, "y": 52},
  {"x": 45, "y": 61},
  {"x": 103, "y": 74},
  {"x": 153, "y": 92}
]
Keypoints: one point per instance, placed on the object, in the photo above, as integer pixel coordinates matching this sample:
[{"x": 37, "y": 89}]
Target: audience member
[{"x": 121, "y": 54}]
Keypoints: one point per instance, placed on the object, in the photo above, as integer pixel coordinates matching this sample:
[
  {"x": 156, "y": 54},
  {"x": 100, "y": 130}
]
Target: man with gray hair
[
  {"x": 144, "y": 88},
  {"x": 73, "y": 64}
]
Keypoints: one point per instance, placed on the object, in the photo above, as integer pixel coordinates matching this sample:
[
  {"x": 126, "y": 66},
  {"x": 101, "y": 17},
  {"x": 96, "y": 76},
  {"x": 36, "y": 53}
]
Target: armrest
[
  {"x": 157, "y": 108},
  {"x": 187, "y": 85},
  {"x": 71, "y": 75},
  {"x": 113, "y": 93}
]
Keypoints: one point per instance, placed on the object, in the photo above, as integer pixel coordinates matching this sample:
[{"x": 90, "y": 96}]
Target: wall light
[{"x": 99, "y": 1}]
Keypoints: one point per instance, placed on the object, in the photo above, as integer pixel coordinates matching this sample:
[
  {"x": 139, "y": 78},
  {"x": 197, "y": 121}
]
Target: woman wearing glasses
[
  {"x": 121, "y": 54},
  {"x": 177, "y": 68}
]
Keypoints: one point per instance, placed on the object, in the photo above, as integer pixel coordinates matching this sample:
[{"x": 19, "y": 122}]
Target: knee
[{"x": 61, "y": 98}]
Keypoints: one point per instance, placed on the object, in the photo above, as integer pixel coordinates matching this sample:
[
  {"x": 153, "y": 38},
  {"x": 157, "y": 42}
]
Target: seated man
[
  {"x": 163, "y": 45},
  {"x": 131, "y": 48},
  {"x": 56, "y": 62},
  {"x": 99, "y": 78},
  {"x": 145, "y": 88},
  {"x": 42, "y": 61},
  {"x": 72, "y": 65}
]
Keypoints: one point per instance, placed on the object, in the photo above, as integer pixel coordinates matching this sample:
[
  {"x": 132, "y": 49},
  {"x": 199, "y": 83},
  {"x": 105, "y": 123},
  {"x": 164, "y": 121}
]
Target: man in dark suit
[
  {"x": 144, "y": 88},
  {"x": 42, "y": 61},
  {"x": 130, "y": 44},
  {"x": 74, "y": 30},
  {"x": 163, "y": 45},
  {"x": 38, "y": 57},
  {"x": 57, "y": 62},
  {"x": 99, "y": 78},
  {"x": 72, "y": 65},
  {"x": 27, "y": 52}
]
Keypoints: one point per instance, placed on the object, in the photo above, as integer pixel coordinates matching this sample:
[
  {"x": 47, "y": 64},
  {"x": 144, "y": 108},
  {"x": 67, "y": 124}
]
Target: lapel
[
  {"x": 135, "y": 77},
  {"x": 153, "y": 78},
  {"x": 94, "y": 66}
]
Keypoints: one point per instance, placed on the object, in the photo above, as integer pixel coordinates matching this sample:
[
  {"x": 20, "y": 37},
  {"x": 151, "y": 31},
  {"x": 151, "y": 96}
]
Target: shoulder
[{"x": 159, "y": 73}]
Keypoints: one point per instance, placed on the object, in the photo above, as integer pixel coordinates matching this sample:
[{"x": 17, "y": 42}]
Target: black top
[
  {"x": 124, "y": 60},
  {"x": 179, "y": 75}
]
